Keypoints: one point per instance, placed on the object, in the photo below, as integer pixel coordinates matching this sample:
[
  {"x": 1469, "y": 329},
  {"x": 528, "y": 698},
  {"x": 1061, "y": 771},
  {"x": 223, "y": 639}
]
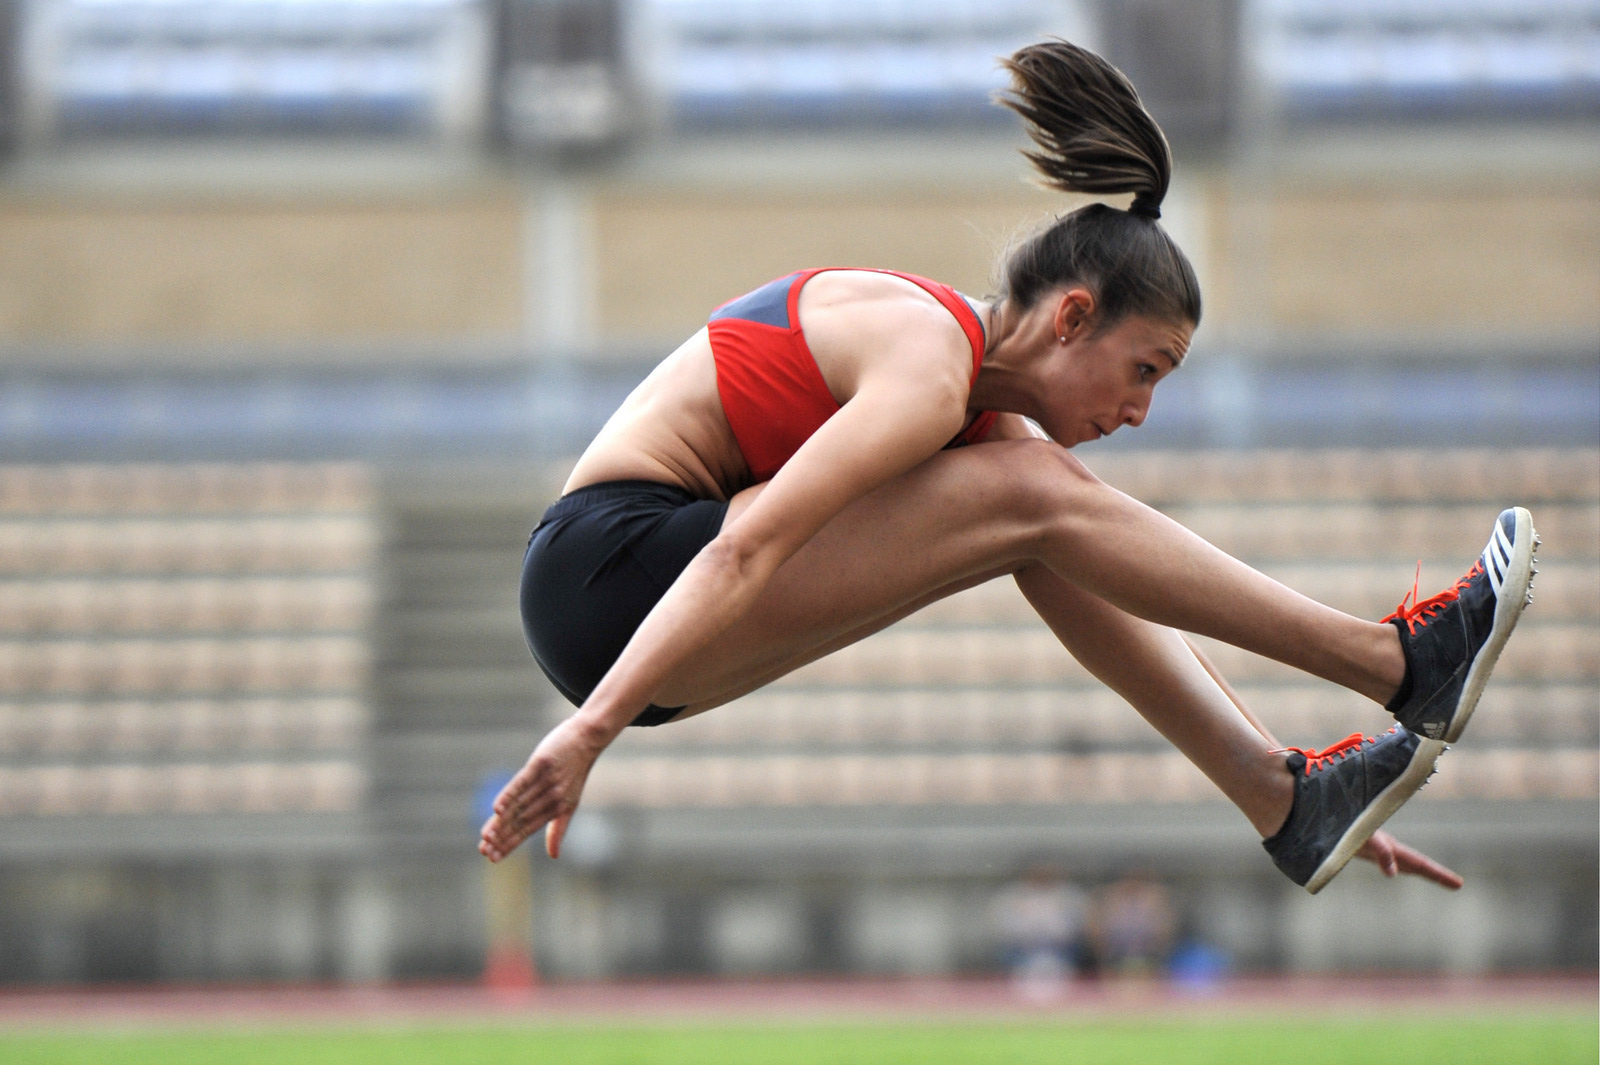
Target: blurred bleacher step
[{"x": 458, "y": 695}]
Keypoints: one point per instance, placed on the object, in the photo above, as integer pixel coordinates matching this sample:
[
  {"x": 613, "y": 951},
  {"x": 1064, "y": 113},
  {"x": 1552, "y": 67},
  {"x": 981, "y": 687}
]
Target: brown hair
[{"x": 1094, "y": 135}]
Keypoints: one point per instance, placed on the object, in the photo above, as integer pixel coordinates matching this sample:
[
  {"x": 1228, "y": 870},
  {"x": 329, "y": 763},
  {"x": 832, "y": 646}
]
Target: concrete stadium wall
[
  {"x": 1484, "y": 258},
  {"x": 668, "y": 258},
  {"x": 81, "y": 268},
  {"x": 623, "y": 260}
]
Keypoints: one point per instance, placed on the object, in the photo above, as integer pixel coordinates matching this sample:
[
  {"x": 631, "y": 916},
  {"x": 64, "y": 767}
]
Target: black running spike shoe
[
  {"x": 1342, "y": 796},
  {"x": 1452, "y": 640}
]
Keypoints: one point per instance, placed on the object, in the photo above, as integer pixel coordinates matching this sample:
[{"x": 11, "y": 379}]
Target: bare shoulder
[
  {"x": 859, "y": 321},
  {"x": 867, "y": 292}
]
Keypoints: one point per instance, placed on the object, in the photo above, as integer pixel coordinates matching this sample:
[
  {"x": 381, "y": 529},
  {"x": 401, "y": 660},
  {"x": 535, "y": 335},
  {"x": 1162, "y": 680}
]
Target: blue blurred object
[
  {"x": 489, "y": 787},
  {"x": 1198, "y": 967}
]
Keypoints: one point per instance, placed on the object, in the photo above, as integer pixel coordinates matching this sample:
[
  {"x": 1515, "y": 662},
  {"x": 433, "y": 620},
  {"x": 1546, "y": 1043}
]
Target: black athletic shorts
[{"x": 596, "y": 565}]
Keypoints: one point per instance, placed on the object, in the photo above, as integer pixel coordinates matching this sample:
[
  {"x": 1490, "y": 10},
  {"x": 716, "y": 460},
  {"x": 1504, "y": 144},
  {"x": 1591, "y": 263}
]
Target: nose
[{"x": 1134, "y": 411}]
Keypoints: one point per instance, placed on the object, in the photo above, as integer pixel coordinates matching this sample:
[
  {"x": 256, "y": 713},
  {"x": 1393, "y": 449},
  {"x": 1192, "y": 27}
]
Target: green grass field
[{"x": 1378, "y": 1038}]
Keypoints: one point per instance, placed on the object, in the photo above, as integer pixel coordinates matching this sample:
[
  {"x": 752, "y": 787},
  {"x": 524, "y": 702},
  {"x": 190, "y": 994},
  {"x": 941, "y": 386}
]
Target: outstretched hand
[
  {"x": 544, "y": 793},
  {"x": 1395, "y": 858}
]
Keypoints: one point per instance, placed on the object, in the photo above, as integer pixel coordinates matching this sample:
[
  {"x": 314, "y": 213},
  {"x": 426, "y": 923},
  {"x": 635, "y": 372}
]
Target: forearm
[{"x": 716, "y": 589}]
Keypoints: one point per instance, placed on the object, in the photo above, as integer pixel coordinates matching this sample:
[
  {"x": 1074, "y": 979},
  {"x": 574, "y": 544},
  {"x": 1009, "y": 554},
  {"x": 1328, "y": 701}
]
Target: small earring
[{"x": 1063, "y": 338}]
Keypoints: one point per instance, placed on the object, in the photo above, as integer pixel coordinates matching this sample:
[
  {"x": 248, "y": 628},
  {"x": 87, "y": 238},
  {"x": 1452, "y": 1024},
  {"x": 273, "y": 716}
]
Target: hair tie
[{"x": 1144, "y": 208}]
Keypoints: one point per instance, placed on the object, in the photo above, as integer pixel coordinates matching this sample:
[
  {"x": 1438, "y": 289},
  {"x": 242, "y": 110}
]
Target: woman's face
[{"x": 1103, "y": 380}]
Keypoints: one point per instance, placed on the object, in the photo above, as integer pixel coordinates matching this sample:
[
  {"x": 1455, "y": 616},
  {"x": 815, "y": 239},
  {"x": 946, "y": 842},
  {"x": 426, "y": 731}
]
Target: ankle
[
  {"x": 1274, "y": 800},
  {"x": 1390, "y": 674}
]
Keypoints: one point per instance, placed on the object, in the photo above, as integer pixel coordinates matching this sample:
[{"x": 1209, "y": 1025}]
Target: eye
[{"x": 1146, "y": 371}]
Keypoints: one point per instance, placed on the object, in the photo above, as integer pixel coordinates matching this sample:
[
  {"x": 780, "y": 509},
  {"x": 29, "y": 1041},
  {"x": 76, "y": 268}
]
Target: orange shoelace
[
  {"x": 1347, "y": 746},
  {"x": 1420, "y": 611}
]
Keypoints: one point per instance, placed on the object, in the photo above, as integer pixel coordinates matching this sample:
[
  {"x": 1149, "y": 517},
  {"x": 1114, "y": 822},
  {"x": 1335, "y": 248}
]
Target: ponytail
[{"x": 1093, "y": 135}]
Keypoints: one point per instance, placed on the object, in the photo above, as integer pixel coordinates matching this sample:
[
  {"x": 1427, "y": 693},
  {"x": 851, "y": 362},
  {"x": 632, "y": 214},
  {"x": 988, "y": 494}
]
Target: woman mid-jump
[{"x": 841, "y": 447}]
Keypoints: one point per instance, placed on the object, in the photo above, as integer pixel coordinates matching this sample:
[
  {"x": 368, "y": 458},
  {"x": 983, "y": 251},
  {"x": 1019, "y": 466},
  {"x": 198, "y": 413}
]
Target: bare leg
[
  {"x": 1157, "y": 672},
  {"x": 1132, "y": 555},
  {"x": 997, "y": 508}
]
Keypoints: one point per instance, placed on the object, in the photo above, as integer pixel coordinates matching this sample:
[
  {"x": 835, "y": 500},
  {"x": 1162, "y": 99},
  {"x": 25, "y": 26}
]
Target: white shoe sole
[{"x": 1511, "y": 595}]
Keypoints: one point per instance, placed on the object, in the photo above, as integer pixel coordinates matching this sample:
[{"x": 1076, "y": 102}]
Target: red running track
[{"x": 773, "y": 999}]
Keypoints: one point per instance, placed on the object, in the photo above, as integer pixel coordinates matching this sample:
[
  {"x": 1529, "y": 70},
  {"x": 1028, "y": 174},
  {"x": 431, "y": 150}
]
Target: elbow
[
  {"x": 730, "y": 557},
  {"x": 740, "y": 564}
]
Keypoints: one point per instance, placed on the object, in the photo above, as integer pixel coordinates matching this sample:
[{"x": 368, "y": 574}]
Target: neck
[{"x": 1003, "y": 384}]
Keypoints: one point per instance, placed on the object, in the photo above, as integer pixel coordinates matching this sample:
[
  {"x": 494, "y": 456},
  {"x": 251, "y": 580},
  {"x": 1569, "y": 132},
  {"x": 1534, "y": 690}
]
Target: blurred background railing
[{"x": 305, "y": 304}]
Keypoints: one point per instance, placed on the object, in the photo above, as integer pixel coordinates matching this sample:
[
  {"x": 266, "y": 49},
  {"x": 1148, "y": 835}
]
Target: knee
[
  {"x": 1050, "y": 471},
  {"x": 1064, "y": 464},
  {"x": 1048, "y": 484}
]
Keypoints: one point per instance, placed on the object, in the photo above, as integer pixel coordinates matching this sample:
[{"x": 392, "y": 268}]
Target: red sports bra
[{"x": 772, "y": 392}]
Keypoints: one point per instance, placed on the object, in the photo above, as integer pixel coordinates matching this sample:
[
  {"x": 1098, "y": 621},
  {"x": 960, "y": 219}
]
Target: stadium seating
[
  {"x": 183, "y": 639},
  {"x": 201, "y": 637}
]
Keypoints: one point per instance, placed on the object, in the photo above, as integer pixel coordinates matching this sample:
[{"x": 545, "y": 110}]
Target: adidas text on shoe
[
  {"x": 1452, "y": 640},
  {"x": 1342, "y": 796}
]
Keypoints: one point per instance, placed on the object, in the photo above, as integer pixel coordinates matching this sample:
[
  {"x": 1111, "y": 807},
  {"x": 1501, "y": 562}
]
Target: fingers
[
  {"x": 537, "y": 801},
  {"x": 542, "y": 794},
  {"x": 502, "y": 834},
  {"x": 504, "y": 831},
  {"x": 554, "y": 834},
  {"x": 496, "y": 840},
  {"x": 1387, "y": 863},
  {"x": 1394, "y": 858},
  {"x": 531, "y": 783},
  {"x": 1415, "y": 863},
  {"x": 523, "y": 806}
]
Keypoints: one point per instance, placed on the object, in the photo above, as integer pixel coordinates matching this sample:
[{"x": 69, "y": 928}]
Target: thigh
[{"x": 962, "y": 517}]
